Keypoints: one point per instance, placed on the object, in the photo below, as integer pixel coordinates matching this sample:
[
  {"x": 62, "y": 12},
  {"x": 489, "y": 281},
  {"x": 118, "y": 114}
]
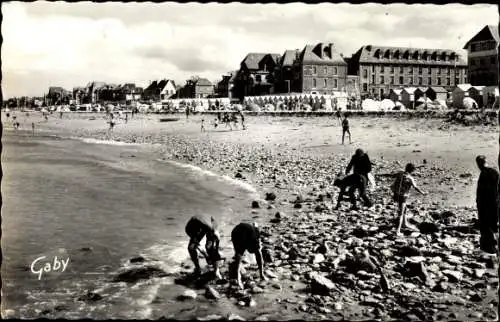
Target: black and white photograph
[{"x": 245, "y": 161}]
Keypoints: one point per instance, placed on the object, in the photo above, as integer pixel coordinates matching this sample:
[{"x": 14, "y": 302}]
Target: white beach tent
[
  {"x": 386, "y": 105},
  {"x": 254, "y": 107},
  {"x": 398, "y": 106},
  {"x": 269, "y": 107},
  {"x": 469, "y": 103},
  {"x": 370, "y": 105}
]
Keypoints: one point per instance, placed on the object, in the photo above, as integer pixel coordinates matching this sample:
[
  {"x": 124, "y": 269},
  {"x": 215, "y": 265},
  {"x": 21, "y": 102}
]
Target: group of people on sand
[
  {"x": 229, "y": 118},
  {"x": 246, "y": 237}
]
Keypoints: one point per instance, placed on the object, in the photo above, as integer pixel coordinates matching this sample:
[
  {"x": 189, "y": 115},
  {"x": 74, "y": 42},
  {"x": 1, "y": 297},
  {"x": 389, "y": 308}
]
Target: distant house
[
  {"x": 224, "y": 88},
  {"x": 93, "y": 91},
  {"x": 476, "y": 93},
  {"x": 437, "y": 93},
  {"x": 482, "y": 57},
  {"x": 408, "y": 97},
  {"x": 420, "y": 92},
  {"x": 395, "y": 95},
  {"x": 257, "y": 75},
  {"x": 490, "y": 97},
  {"x": 203, "y": 88},
  {"x": 80, "y": 95},
  {"x": 58, "y": 95},
  {"x": 160, "y": 90}
]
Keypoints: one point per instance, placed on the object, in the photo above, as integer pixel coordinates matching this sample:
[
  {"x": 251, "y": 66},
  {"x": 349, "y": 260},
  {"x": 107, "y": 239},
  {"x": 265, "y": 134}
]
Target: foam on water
[
  {"x": 107, "y": 142},
  {"x": 246, "y": 186}
]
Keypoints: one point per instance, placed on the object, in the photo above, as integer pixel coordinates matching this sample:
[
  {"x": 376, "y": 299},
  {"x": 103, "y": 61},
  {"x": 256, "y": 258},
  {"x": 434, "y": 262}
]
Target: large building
[
  {"x": 319, "y": 69},
  {"x": 257, "y": 75},
  {"x": 381, "y": 69},
  {"x": 482, "y": 54}
]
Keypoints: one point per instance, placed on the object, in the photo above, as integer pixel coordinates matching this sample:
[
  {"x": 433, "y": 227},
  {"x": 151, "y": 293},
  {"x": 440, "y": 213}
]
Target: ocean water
[{"x": 99, "y": 204}]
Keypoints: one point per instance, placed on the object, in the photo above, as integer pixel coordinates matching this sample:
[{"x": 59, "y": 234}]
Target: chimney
[{"x": 332, "y": 50}]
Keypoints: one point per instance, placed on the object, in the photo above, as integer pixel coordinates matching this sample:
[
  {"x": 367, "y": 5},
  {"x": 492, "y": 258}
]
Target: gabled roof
[
  {"x": 310, "y": 55},
  {"x": 397, "y": 91},
  {"x": 437, "y": 89},
  {"x": 409, "y": 90},
  {"x": 289, "y": 57},
  {"x": 252, "y": 60},
  {"x": 492, "y": 29},
  {"x": 463, "y": 87},
  {"x": 479, "y": 88},
  {"x": 203, "y": 82},
  {"x": 233, "y": 73}
]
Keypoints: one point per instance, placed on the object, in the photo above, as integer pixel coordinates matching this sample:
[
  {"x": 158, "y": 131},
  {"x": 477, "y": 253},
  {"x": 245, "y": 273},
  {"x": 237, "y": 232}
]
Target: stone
[
  {"x": 138, "y": 259},
  {"x": 270, "y": 196},
  {"x": 232, "y": 316},
  {"x": 338, "y": 306},
  {"x": 408, "y": 251},
  {"x": 255, "y": 204},
  {"x": 140, "y": 273},
  {"x": 257, "y": 290},
  {"x": 453, "y": 276},
  {"x": 188, "y": 295},
  {"x": 238, "y": 175},
  {"x": 90, "y": 297},
  {"x": 267, "y": 255},
  {"x": 318, "y": 258},
  {"x": 278, "y": 215},
  {"x": 270, "y": 274},
  {"x": 428, "y": 228},
  {"x": 479, "y": 272},
  {"x": 476, "y": 298},
  {"x": 211, "y": 293},
  {"x": 320, "y": 285},
  {"x": 210, "y": 317}
]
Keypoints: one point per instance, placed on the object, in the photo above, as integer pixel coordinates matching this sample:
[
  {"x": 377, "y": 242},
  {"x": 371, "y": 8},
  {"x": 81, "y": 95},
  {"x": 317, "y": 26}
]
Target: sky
[{"x": 71, "y": 44}]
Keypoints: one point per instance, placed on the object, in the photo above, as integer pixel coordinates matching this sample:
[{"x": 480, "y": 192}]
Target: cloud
[{"x": 70, "y": 44}]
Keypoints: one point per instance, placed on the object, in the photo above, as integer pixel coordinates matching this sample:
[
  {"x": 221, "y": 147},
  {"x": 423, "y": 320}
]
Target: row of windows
[
  {"x": 482, "y": 61},
  {"x": 325, "y": 83},
  {"x": 407, "y": 55},
  {"x": 333, "y": 70},
  {"x": 420, "y": 81},
  {"x": 482, "y": 46},
  {"x": 410, "y": 70}
]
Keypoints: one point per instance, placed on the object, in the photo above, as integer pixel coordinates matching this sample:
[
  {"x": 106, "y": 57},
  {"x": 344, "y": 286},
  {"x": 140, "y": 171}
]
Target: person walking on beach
[
  {"x": 197, "y": 229},
  {"x": 33, "y": 128},
  {"x": 242, "y": 119},
  {"x": 346, "y": 129},
  {"x": 487, "y": 201},
  {"x": 349, "y": 184},
  {"x": 202, "y": 125},
  {"x": 126, "y": 117},
  {"x": 338, "y": 115},
  {"x": 187, "y": 112},
  {"x": 401, "y": 189}
]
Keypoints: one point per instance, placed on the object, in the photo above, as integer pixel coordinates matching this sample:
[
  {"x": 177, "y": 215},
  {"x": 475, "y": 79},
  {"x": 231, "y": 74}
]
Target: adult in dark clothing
[
  {"x": 187, "y": 112},
  {"x": 246, "y": 237},
  {"x": 350, "y": 184},
  {"x": 346, "y": 129},
  {"x": 360, "y": 163},
  {"x": 487, "y": 201},
  {"x": 197, "y": 229},
  {"x": 242, "y": 119}
]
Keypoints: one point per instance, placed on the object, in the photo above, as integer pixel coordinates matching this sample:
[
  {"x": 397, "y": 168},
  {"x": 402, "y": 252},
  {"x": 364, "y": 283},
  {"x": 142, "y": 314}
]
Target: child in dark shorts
[
  {"x": 246, "y": 237},
  {"x": 197, "y": 229},
  {"x": 350, "y": 184},
  {"x": 401, "y": 188},
  {"x": 346, "y": 129}
]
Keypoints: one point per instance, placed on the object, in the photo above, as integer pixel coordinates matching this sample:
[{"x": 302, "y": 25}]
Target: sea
[{"x": 94, "y": 205}]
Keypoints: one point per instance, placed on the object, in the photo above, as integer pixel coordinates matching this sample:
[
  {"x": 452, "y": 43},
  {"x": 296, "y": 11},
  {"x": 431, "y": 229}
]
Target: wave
[
  {"x": 107, "y": 142},
  {"x": 246, "y": 186}
]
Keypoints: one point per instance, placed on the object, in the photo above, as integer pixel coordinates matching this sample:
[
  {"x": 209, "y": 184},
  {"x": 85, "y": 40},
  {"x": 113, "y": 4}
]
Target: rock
[
  {"x": 408, "y": 251},
  {"x": 211, "y": 293},
  {"x": 338, "y": 306},
  {"x": 428, "y": 228},
  {"x": 275, "y": 221},
  {"x": 140, "y": 273},
  {"x": 476, "y": 298},
  {"x": 252, "y": 303},
  {"x": 320, "y": 284},
  {"x": 479, "y": 272},
  {"x": 416, "y": 269},
  {"x": 138, "y": 259},
  {"x": 188, "y": 295},
  {"x": 233, "y": 316},
  {"x": 270, "y": 196},
  {"x": 297, "y": 205},
  {"x": 210, "y": 317},
  {"x": 318, "y": 258},
  {"x": 303, "y": 307},
  {"x": 278, "y": 215},
  {"x": 270, "y": 274},
  {"x": 238, "y": 175},
  {"x": 86, "y": 249},
  {"x": 257, "y": 290},
  {"x": 255, "y": 204},
  {"x": 267, "y": 255},
  {"x": 453, "y": 276},
  {"x": 90, "y": 297}
]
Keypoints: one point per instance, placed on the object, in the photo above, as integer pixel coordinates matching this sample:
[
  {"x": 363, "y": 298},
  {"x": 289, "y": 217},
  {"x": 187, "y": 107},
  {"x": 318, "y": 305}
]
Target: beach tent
[
  {"x": 238, "y": 107},
  {"x": 386, "y": 105},
  {"x": 370, "y": 105},
  {"x": 424, "y": 99},
  {"x": 469, "y": 103},
  {"x": 254, "y": 107},
  {"x": 459, "y": 93},
  {"x": 398, "y": 106},
  {"x": 269, "y": 107},
  {"x": 490, "y": 97}
]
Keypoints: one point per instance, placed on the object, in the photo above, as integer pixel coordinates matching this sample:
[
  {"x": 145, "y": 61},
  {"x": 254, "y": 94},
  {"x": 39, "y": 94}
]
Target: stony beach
[{"x": 437, "y": 273}]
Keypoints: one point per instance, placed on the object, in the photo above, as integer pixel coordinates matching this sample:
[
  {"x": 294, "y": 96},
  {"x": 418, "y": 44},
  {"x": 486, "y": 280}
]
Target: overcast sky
[{"x": 70, "y": 44}]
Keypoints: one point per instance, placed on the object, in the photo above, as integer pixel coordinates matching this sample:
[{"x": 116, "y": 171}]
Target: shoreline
[{"x": 299, "y": 170}]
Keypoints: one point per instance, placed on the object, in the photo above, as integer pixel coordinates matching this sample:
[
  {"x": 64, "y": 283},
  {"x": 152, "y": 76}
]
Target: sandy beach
[{"x": 297, "y": 159}]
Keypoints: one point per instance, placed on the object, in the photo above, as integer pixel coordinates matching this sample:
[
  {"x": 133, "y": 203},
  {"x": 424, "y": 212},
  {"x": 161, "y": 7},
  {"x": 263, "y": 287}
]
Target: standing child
[
  {"x": 33, "y": 127},
  {"x": 401, "y": 189},
  {"x": 202, "y": 125},
  {"x": 345, "y": 129}
]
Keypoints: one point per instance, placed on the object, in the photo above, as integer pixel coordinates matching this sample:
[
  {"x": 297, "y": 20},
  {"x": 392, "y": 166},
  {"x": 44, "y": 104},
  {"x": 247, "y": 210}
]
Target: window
[
  {"x": 401, "y": 70},
  {"x": 334, "y": 70},
  {"x": 411, "y": 80},
  {"x": 457, "y": 81},
  {"x": 420, "y": 70},
  {"x": 401, "y": 80},
  {"x": 392, "y": 80},
  {"x": 325, "y": 83},
  {"x": 493, "y": 60},
  {"x": 439, "y": 81},
  {"x": 325, "y": 70},
  {"x": 373, "y": 79},
  {"x": 484, "y": 46},
  {"x": 411, "y": 70},
  {"x": 392, "y": 69},
  {"x": 420, "y": 81},
  {"x": 473, "y": 62},
  {"x": 429, "y": 81},
  {"x": 481, "y": 62},
  {"x": 335, "y": 83},
  {"x": 382, "y": 68},
  {"x": 381, "y": 79},
  {"x": 365, "y": 73},
  {"x": 365, "y": 87},
  {"x": 314, "y": 82},
  {"x": 448, "y": 71},
  {"x": 314, "y": 70},
  {"x": 258, "y": 78},
  {"x": 448, "y": 81}
]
